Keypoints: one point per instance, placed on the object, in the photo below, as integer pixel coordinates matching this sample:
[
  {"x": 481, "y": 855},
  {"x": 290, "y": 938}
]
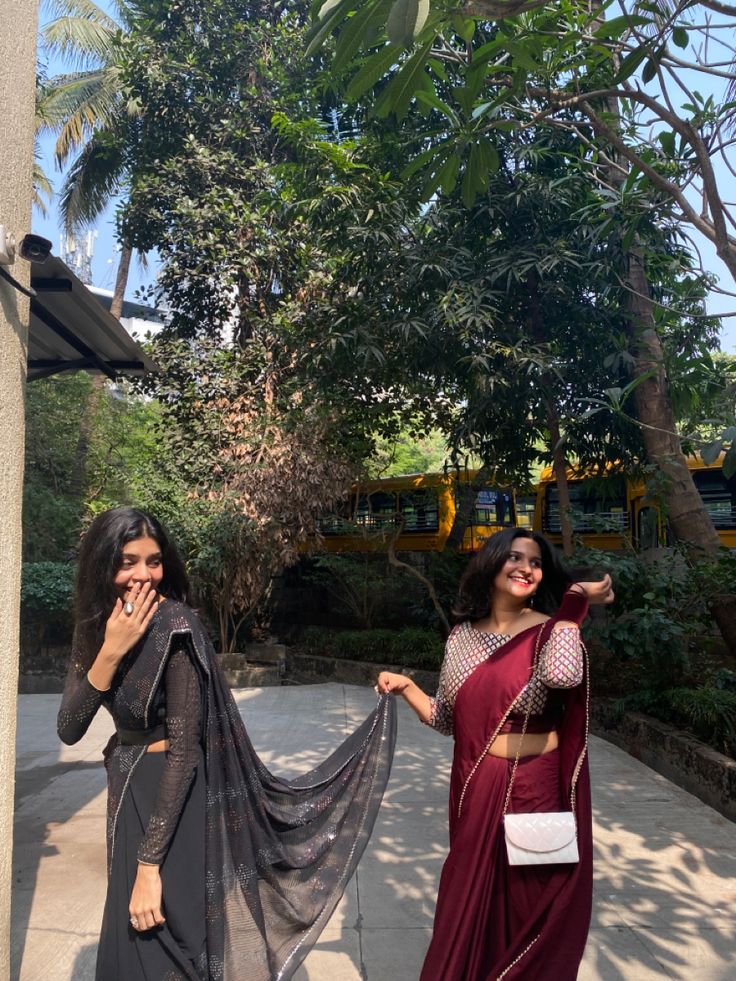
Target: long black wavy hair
[
  {"x": 100, "y": 556},
  {"x": 475, "y": 600}
]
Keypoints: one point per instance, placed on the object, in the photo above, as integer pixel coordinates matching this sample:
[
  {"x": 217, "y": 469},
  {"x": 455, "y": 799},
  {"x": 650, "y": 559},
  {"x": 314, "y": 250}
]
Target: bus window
[
  {"x": 420, "y": 511},
  {"x": 648, "y": 527},
  {"x": 493, "y": 507},
  {"x": 719, "y": 496},
  {"x": 594, "y": 506},
  {"x": 375, "y": 511},
  {"x": 525, "y": 511}
]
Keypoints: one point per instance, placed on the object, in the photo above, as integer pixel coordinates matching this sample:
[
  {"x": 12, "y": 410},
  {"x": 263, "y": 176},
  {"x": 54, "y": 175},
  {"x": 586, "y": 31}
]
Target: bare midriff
[
  {"x": 506, "y": 745},
  {"x": 160, "y": 747}
]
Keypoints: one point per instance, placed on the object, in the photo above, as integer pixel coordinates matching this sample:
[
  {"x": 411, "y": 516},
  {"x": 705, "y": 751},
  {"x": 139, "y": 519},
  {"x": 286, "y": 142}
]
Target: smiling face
[
  {"x": 140, "y": 563},
  {"x": 521, "y": 573}
]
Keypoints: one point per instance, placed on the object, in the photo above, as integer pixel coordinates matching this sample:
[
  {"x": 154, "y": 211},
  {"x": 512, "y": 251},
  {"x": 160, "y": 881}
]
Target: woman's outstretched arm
[{"x": 399, "y": 684}]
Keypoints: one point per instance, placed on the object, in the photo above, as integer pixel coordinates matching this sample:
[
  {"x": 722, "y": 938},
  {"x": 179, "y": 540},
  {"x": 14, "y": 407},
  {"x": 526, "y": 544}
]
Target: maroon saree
[{"x": 493, "y": 920}]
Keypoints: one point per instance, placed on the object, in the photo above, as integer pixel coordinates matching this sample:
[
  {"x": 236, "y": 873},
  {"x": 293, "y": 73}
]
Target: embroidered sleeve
[
  {"x": 183, "y": 728},
  {"x": 466, "y": 649},
  {"x": 79, "y": 705},
  {"x": 561, "y": 659},
  {"x": 442, "y": 704}
]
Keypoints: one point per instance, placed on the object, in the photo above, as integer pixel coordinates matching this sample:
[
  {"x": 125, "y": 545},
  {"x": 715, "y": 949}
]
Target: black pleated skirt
[{"x": 176, "y": 950}]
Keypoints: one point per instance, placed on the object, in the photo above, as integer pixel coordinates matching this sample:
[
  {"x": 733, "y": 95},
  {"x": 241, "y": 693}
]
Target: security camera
[{"x": 34, "y": 248}]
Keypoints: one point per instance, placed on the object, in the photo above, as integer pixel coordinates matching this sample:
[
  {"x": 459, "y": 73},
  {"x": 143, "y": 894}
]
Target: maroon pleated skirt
[{"x": 513, "y": 922}]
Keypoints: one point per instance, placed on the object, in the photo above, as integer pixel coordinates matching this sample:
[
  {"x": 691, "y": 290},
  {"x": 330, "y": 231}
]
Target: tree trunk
[
  {"x": 78, "y": 477},
  {"x": 688, "y": 518},
  {"x": 559, "y": 461},
  {"x": 559, "y": 465},
  {"x": 121, "y": 280},
  {"x": 465, "y": 494}
]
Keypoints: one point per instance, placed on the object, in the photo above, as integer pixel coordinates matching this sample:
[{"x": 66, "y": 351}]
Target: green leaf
[
  {"x": 430, "y": 98},
  {"x": 522, "y": 56},
  {"x": 434, "y": 179},
  {"x": 423, "y": 158},
  {"x": 667, "y": 139},
  {"x": 712, "y": 451},
  {"x": 729, "y": 463},
  {"x": 618, "y": 26},
  {"x": 680, "y": 37},
  {"x": 630, "y": 64},
  {"x": 376, "y": 67},
  {"x": 404, "y": 85},
  {"x": 405, "y": 21},
  {"x": 464, "y": 27},
  {"x": 448, "y": 173},
  {"x": 354, "y": 35},
  {"x": 326, "y": 7},
  {"x": 650, "y": 70},
  {"x": 478, "y": 170},
  {"x": 324, "y": 25},
  {"x": 488, "y": 158},
  {"x": 438, "y": 68}
]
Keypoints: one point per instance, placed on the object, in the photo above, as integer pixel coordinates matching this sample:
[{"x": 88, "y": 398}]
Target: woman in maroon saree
[{"x": 494, "y": 920}]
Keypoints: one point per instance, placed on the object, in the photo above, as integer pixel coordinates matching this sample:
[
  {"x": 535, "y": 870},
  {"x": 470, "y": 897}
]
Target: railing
[{"x": 598, "y": 522}]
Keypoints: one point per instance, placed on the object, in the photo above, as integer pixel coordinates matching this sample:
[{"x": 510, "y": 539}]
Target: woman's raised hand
[
  {"x": 129, "y": 620},
  {"x": 388, "y": 681},
  {"x": 597, "y": 592}
]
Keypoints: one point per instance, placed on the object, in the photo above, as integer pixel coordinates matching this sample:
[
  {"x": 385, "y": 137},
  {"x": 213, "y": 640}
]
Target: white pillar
[{"x": 18, "y": 26}]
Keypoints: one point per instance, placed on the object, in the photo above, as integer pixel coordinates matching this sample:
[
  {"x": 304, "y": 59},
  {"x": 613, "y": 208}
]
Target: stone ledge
[
  {"x": 314, "y": 669},
  {"x": 683, "y": 759}
]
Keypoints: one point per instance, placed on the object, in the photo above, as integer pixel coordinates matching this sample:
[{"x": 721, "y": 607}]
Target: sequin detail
[
  {"x": 560, "y": 666},
  {"x": 183, "y": 729}
]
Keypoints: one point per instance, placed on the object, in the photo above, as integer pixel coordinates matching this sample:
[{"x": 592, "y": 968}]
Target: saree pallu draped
[
  {"x": 277, "y": 854},
  {"x": 493, "y": 920}
]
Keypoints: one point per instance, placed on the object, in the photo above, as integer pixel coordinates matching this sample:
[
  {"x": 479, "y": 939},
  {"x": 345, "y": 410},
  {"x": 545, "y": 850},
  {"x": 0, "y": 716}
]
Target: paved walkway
[{"x": 665, "y": 887}]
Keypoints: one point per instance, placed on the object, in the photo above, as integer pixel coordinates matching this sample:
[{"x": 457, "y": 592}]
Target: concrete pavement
[{"x": 665, "y": 880}]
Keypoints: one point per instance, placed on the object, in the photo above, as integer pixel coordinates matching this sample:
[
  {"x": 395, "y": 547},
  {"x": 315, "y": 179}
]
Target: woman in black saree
[{"x": 217, "y": 869}]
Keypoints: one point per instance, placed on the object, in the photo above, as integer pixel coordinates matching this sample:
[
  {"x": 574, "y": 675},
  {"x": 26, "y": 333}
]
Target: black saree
[{"x": 277, "y": 853}]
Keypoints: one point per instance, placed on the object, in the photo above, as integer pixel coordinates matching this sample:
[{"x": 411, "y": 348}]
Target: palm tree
[{"x": 87, "y": 109}]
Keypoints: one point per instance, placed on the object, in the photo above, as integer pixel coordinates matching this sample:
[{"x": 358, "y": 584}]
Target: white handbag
[{"x": 542, "y": 837}]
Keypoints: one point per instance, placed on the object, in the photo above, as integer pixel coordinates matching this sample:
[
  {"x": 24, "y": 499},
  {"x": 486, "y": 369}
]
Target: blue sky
[{"x": 105, "y": 257}]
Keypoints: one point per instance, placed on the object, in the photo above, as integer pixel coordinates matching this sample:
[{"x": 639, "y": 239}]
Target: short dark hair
[
  {"x": 100, "y": 555},
  {"x": 474, "y": 600}
]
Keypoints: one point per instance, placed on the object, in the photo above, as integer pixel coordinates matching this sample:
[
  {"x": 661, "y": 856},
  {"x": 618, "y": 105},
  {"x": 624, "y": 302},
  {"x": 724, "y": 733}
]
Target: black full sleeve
[
  {"x": 184, "y": 732},
  {"x": 79, "y": 704}
]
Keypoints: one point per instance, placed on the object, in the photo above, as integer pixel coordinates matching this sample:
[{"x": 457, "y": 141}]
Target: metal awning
[{"x": 70, "y": 330}]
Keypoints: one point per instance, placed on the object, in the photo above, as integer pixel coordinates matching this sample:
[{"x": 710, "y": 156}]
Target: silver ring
[
  {"x": 128, "y": 609},
  {"x": 134, "y": 921}
]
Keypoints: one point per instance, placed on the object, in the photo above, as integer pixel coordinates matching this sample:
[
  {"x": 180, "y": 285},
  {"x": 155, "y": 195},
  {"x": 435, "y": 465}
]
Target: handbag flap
[{"x": 541, "y": 832}]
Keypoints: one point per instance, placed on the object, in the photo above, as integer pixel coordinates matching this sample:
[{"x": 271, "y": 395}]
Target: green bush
[
  {"x": 708, "y": 712},
  {"x": 47, "y": 589},
  {"x": 657, "y": 611},
  {"x": 411, "y": 647},
  {"x": 47, "y": 597}
]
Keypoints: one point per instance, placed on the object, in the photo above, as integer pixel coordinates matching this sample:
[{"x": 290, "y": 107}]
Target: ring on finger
[
  {"x": 128, "y": 608},
  {"x": 134, "y": 922}
]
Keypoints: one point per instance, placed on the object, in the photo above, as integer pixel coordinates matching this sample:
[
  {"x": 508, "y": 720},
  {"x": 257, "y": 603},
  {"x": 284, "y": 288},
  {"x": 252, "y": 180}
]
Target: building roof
[{"x": 71, "y": 330}]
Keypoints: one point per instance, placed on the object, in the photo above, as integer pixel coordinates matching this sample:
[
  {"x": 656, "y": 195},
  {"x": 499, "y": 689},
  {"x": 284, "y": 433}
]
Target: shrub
[
  {"x": 708, "y": 712},
  {"x": 47, "y": 589},
  {"x": 46, "y": 596},
  {"x": 410, "y": 646}
]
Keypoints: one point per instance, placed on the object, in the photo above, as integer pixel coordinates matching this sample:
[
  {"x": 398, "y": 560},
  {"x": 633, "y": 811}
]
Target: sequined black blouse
[{"x": 178, "y": 705}]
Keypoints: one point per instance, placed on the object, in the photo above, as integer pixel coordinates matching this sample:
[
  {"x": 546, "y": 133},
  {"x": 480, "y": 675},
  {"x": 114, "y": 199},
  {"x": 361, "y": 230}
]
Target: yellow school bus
[
  {"x": 418, "y": 510},
  {"x": 612, "y": 510}
]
